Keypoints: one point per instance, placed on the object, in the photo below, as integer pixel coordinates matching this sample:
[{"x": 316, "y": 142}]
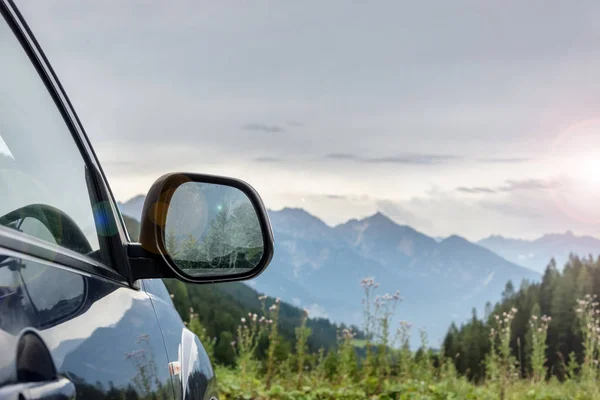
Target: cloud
[
  {"x": 296, "y": 124},
  {"x": 401, "y": 215},
  {"x": 408, "y": 159},
  {"x": 343, "y": 156},
  {"x": 528, "y": 184},
  {"x": 504, "y": 160},
  {"x": 335, "y": 196},
  {"x": 476, "y": 189},
  {"x": 511, "y": 185},
  {"x": 260, "y": 127},
  {"x": 414, "y": 159},
  {"x": 269, "y": 159}
]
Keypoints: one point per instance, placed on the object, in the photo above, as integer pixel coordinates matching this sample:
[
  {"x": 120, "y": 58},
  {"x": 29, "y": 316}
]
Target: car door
[
  {"x": 71, "y": 321},
  {"x": 194, "y": 377}
]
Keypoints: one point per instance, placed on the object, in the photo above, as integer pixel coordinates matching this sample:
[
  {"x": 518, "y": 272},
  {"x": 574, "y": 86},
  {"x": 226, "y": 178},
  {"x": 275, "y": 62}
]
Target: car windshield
[{"x": 431, "y": 170}]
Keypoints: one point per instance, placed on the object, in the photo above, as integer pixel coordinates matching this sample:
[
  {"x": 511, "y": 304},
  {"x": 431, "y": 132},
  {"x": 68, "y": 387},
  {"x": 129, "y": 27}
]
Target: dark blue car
[{"x": 83, "y": 311}]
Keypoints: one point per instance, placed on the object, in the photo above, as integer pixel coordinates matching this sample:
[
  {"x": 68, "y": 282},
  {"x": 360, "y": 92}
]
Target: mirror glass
[{"x": 212, "y": 230}]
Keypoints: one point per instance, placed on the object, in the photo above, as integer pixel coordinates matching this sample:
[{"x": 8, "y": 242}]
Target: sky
[{"x": 463, "y": 117}]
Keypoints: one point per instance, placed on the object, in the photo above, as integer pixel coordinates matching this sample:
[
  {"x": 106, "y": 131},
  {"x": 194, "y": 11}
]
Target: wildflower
[
  {"x": 277, "y": 300},
  {"x": 514, "y": 310},
  {"x": 254, "y": 316},
  {"x": 367, "y": 282},
  {"x": 306, "y": 312},
  {"x": 191, "y": 310},
  {"x": 376, "y": 285},
  {"x": 172, "y": 295},
  {"x": 534, "y": 317},
  {"x": 233, "y": 343},
  {"x": 269, "y": 321},
  {"x": 243, "y": 320}
]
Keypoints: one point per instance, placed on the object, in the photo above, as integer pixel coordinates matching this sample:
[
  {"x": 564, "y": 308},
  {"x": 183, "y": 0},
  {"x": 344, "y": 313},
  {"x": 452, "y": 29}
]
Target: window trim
[
  {"x": 116, "y": 243},
  {"x": 12, "y": 241}
]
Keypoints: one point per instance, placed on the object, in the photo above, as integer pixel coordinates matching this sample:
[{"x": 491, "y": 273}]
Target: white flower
[{"x": 243, "y": 320}]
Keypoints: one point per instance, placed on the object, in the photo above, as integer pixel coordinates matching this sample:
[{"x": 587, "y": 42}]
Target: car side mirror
[{"x": 202, "y": 228}]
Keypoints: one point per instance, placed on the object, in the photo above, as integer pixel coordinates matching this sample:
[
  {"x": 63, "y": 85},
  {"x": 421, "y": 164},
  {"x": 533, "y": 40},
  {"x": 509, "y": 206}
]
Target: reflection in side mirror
[
  {"x": 212, "y": 229},
  {"x": 202, "y": 229}
]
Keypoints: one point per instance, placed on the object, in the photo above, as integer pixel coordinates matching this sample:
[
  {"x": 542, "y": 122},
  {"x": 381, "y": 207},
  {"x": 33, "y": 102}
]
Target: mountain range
[
  {"x": 535, "y": 254},
  {"x": 440, "y": 279}
]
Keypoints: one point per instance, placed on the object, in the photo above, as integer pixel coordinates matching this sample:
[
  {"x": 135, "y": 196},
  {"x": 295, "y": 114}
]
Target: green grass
[
  {"x": 359, "y": 343},
  {"x": 232, "y": 387}
]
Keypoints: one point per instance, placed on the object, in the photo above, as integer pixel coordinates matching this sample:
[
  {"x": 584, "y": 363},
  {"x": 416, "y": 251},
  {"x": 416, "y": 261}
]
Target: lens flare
[{"x": 576, "y": 153}]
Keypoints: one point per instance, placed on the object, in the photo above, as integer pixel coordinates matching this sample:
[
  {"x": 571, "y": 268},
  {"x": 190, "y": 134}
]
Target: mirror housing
[{"x": 151, "y": 258}]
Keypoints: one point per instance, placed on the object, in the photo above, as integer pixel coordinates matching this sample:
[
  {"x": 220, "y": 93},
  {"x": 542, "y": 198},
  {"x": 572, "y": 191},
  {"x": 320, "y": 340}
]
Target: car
[{"x": 83, "y": 310}]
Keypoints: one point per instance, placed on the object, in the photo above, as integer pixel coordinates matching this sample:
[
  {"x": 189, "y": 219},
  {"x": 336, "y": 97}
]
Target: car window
[
  {"x": 43, "y": 178},
  {"x": 55, "y": 293}
]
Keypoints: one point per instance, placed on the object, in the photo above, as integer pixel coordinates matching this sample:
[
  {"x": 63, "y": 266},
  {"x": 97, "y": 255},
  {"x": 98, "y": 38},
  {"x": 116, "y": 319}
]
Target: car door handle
[{"x": 57, "y": 389}]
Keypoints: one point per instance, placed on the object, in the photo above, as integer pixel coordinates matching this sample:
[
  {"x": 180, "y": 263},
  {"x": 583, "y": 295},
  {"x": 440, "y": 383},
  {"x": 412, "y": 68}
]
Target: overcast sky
[{"x": 468, "y": 117}]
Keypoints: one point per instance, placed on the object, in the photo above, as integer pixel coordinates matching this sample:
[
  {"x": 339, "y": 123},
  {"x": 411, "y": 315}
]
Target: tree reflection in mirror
[{"x": 212, "y": 230}]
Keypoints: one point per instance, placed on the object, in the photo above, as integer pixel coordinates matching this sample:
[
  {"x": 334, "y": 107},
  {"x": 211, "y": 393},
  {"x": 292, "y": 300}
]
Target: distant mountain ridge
[
  {"x": 441, "y": 280},
  {"x": 535, "y": 254},
  {"x": 133, "y": 206}
]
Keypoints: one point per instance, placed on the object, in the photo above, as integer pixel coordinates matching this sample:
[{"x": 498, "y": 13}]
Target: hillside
[{"x": 560, "y": 295}]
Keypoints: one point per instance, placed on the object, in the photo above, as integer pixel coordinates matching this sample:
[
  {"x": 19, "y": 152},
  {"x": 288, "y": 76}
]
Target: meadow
[{"x": 381, "y": 365}]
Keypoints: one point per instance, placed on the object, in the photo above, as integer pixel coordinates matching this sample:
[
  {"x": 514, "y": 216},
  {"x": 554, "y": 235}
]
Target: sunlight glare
[{"x": 589, "y": 171}]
